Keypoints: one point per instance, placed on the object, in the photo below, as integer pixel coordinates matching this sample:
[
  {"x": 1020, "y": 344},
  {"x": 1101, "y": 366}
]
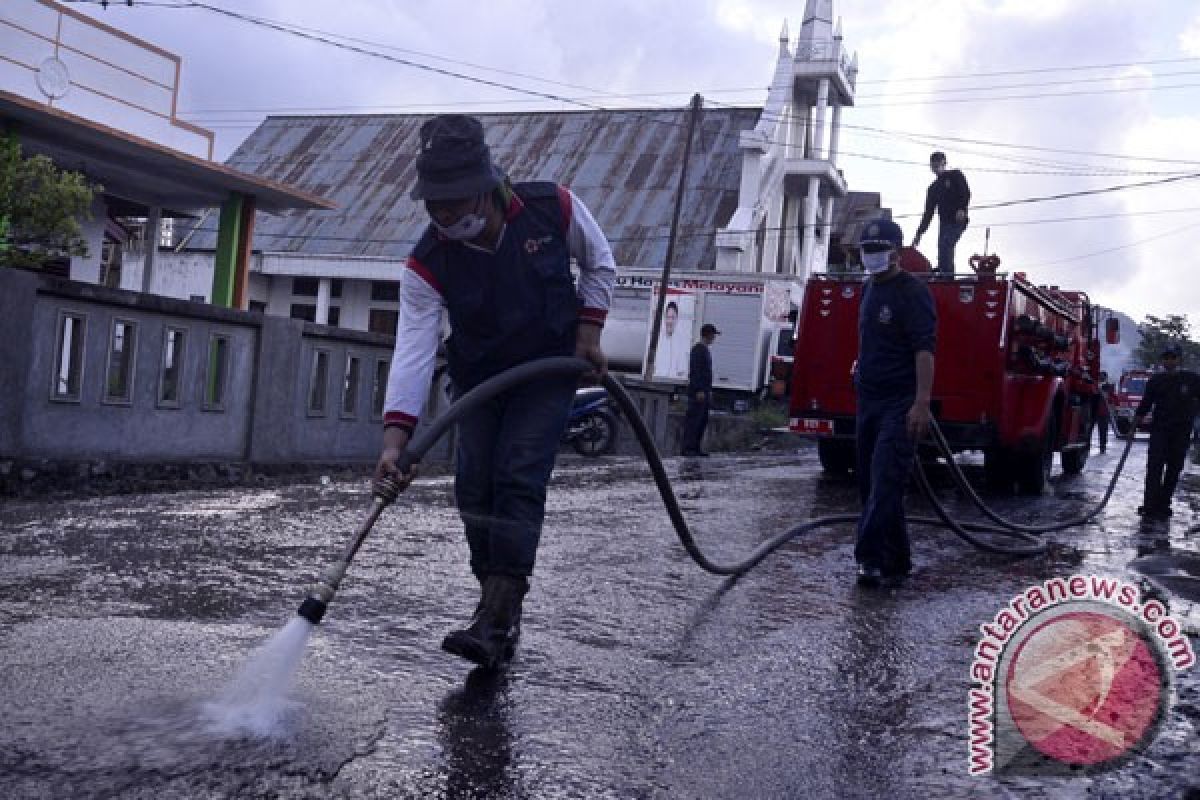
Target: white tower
[{"x": 789, "y": 161}]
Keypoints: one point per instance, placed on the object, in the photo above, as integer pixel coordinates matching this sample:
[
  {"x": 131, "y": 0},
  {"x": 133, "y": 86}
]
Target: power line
[
  {"x": 694, "y": 232},
  {"x": 1172, "y": 232},
  {"x": 437, "y": 70},
  {"x": 1032, "y": 71},
  {"x": 213, "y": 113}
]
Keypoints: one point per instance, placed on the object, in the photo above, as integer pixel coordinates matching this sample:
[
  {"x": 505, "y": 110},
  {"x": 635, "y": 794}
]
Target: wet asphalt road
[{"x": 639, "y": 675}]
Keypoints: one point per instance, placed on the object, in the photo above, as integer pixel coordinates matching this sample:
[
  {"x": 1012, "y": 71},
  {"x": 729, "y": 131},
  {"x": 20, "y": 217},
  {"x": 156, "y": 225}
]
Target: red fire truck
[
  {"x": 1014, "y": 373},
  {"x": 1130, "y": 389}
]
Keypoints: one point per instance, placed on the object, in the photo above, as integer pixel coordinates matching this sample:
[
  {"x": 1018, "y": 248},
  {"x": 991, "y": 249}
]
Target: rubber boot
[{"x": 490, "y": 640}]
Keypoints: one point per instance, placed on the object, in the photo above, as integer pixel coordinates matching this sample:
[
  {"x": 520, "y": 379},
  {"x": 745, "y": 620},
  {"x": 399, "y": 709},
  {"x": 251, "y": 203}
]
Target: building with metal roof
[
  {"x": 100, "y": 102},
  {"x": 759, "y": 197}
]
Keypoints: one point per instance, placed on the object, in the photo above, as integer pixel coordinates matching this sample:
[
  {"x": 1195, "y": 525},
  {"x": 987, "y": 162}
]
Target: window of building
[
  {"x": 785, "y": 237},
  {"x": 170, "y": 379},
  {"x": 305, "y": 287},
  {"x": 309, "y": 287},
  {"x": 335, "y": 315},
  {"x": 197, "y": 298},
  {"x": 258, "y": 307},
  {"x": 760, "y": 244},
  {"x": 385, "y": 291},
  {"x": 379, "y": 387},
  {"x": 318, "y": 381},
  {"x": 216, "y": 376},
  {"x": 122, "y": 349},
  {"x": 303, "y": 311},
  {"x": 381, "y": 320},
  {"x": 68, "y": 367},
  {"x": 350, "y": 387}
]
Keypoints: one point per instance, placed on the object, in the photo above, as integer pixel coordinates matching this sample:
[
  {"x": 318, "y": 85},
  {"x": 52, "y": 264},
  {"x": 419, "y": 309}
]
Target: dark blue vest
[{"x": 511, "y": 306}]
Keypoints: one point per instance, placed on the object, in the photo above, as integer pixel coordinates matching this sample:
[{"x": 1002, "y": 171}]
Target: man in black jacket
[
  {"x": 950, "y": 196},
  {"x": 700, "y": 379},
  {"x": 1173, "y": 396}
]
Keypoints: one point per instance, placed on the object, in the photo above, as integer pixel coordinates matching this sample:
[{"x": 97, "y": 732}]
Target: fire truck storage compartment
[{"x": 1014, "y": 374}]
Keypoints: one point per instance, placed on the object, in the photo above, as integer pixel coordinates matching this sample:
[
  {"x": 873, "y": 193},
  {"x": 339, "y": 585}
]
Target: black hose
[{"x": 567, "y": 366}]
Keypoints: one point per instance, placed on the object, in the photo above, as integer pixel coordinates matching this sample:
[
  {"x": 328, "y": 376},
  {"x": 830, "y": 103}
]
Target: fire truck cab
[
  {"x": 1015, "y": 370},
  {"x": 1130, "y": 389}
]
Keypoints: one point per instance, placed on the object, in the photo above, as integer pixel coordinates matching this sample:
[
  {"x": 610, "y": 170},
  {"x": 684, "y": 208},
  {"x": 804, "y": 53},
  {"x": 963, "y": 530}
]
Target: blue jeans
[
  {"x": 885, "y": 458},
  {"x": 506, "y": 452},
  {"x": 948, "y": 235}
]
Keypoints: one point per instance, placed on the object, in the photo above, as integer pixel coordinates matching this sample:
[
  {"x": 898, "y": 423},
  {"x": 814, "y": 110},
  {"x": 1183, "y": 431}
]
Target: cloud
[{"x": 1189, "y": 39}]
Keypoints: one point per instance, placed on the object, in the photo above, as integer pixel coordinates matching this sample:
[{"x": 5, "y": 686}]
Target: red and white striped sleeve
[
  {"x": 589, "y": 247},
  {"x": 417, "y": 332}
]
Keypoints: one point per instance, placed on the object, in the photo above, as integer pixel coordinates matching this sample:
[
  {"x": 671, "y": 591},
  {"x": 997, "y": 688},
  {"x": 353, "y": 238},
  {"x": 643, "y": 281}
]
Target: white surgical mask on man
[
  {"x": 466, "y": 227},
  {"x": 876, "y": 263}
]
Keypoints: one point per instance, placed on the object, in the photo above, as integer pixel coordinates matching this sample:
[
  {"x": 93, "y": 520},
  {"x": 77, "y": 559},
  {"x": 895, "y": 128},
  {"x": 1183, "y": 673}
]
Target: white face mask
[
  {"x": 877, "y": 263},
  {"x": 468, "y": 227}
]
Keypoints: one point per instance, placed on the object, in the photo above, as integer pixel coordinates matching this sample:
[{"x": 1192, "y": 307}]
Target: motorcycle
[{"x": 592, "y": 423}]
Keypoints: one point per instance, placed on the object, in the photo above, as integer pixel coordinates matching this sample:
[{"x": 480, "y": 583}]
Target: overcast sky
[{"x": 1141, "y": 259}]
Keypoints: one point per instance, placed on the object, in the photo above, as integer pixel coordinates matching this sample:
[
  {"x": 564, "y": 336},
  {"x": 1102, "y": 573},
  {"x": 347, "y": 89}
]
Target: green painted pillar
[{"x": 229, "y": 243}]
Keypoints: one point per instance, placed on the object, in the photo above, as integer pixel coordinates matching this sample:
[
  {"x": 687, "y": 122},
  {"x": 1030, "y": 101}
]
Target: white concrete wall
[
  {"x": 181, "y": 275},
  {"x": 88, "y": 69}
]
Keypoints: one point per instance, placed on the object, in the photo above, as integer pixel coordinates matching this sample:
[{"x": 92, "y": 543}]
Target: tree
[
  {"x": 1158, "y": 332},
  {"x": 40, "y": 208}
]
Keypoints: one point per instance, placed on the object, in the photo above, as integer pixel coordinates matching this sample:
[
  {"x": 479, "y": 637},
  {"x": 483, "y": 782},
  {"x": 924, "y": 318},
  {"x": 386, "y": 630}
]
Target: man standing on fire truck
[
  {"x": 1172, "y": 395},
  {"x": 893, "y": 377},
  {"x": 949, "y": 195}
]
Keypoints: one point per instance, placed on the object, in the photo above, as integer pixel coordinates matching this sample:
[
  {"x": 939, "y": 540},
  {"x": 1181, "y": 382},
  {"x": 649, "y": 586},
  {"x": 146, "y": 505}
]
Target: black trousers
[
  {"x": 1102, "y": 431},
  {"x": 694, "y": 422},
  {"x": 1164, "y": 461}
]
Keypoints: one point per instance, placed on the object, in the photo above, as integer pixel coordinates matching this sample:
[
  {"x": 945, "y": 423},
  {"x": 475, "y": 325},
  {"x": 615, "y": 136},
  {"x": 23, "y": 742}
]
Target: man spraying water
[{"x": 497, "y": 259}]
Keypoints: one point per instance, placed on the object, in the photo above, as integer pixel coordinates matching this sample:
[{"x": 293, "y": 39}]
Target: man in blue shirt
[
  {"x": 700, "y": 380},
  {"x": 897, "y": 333}
]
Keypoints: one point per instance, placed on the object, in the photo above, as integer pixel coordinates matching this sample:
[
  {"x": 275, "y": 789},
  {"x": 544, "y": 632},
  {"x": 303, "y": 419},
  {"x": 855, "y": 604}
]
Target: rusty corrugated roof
[{"x": 623, "y": 164}]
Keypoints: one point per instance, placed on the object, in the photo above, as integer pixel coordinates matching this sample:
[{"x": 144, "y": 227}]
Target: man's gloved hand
[{"x": 394, "y": 441}]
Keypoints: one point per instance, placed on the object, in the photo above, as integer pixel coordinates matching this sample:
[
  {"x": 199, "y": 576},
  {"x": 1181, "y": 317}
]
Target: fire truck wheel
[
  {"x": 1033, "y": 468},
  {"x": 837, "y": 457}
]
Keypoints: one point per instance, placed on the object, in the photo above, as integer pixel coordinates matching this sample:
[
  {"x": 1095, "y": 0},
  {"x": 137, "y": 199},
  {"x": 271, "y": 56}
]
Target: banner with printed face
[{"x": 675, "y": 335}]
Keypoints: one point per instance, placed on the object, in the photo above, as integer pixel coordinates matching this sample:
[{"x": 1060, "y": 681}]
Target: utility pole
[{"x": 693, "y": 118}]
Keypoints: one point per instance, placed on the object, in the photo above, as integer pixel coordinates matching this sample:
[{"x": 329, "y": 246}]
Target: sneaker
[
  {"x": 869, "y": 576},
  {"x": 893, "y": 580}
]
